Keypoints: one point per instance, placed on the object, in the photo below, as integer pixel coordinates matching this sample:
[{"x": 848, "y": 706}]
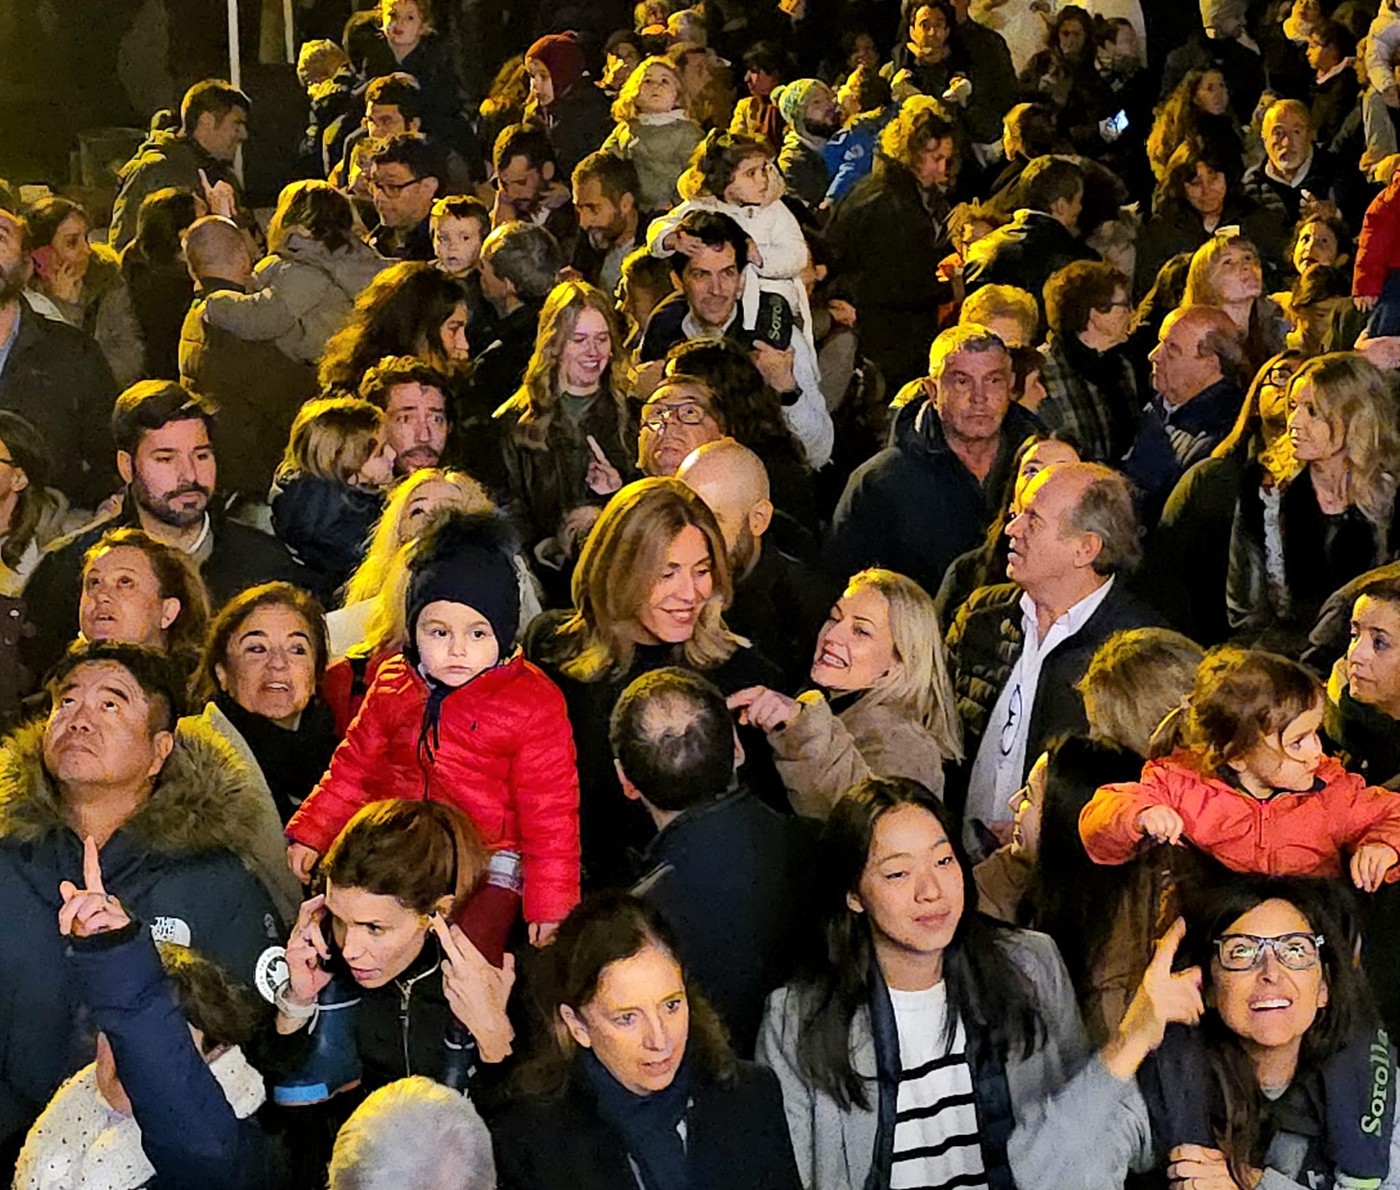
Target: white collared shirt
[{"x": 1001, "y": 757}]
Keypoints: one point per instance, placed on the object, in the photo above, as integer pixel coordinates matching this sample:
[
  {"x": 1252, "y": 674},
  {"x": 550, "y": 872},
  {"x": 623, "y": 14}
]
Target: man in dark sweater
[{"x": 731, "y": 876}]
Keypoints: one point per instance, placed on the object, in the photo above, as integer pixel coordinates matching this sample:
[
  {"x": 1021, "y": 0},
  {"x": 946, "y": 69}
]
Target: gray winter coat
[
  {"x": 835, "y": 1148},
  {"x": 301, "y": 296}
]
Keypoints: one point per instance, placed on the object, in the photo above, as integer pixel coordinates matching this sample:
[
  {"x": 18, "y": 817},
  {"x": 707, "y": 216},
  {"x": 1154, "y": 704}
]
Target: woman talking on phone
[{"x": 379, "y": 932}]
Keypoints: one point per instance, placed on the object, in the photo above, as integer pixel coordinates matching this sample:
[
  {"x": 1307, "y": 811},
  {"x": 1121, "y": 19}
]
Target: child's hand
[
  {"x": 1161, "y": 823},
  {"x": 301, "y": 859},
  {"x": 1363, "y": 302},
  {"x": 1370, "y": 864},
  {"x": 542, "y": 932}
]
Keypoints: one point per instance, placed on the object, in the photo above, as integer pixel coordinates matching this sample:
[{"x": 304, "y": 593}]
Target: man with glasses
[
  {"x": 1018, "y": 650},
  {"x": 404, "y": 178},
  {"x": 1090, "y": 391}
]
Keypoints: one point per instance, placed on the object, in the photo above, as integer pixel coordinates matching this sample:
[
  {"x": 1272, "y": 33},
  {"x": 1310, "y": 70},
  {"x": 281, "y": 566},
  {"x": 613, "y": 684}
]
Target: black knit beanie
[{"x": 466, "y": 558}]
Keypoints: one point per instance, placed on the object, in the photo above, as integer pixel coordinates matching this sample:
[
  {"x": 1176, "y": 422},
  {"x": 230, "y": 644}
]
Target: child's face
[
  {"x": 457, "y": 243},
  {"x": 378, "y": 469},
  {"x": 749, "y": 185},
  {"x": 403, "y": 23},
  {"x": 659, "y": 91},
  {"x": 759, "y": 82},
  {"x": 1285, "y": 761},
  {"x": 455, "y": 642}
]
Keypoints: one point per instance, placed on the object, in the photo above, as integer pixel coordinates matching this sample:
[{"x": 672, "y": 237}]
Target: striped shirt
[{"x": 936, "y": 1145}]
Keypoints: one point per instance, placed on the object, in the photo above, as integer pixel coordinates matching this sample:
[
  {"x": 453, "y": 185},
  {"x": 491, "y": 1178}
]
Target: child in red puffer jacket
[
  {"x": 1241, "y": 775},
  {"x": 462, "y": 717}
]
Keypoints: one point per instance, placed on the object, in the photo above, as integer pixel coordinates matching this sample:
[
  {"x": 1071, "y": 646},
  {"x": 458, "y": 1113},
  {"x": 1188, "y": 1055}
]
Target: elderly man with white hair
[{"x": 413, "y": 1133}]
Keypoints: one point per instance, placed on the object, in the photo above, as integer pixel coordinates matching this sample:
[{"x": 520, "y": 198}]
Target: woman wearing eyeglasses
[{"x": 1259, "y": 1066}]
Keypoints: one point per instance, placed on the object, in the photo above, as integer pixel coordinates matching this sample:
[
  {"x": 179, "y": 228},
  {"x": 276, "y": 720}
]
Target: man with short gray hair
[
  {"x": 413, "y": 1133},
  {"x": 1016, "y": 676},
  {"x": 929, "y": 497}
]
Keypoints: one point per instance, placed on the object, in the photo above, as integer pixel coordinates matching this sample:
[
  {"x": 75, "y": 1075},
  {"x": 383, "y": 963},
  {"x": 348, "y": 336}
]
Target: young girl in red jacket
[
  {"x": 460, "y": 716},
  {"x": 1375, "y": 284},
  {"x": 1241, "y": 775}
]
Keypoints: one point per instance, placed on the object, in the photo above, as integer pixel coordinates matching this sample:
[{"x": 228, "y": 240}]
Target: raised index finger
[
  {"x": 744, "y": 697},
  {"x": 596, "y": 449},
  {"x": 92, "y": 867}
]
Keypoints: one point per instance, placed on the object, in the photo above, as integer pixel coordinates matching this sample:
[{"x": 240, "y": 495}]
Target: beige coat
[{"x": 820, "y": 754}]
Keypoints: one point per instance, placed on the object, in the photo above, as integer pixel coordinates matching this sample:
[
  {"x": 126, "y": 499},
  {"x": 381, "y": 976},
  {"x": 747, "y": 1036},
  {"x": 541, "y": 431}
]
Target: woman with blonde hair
[
  {"x": 568, "y": 435},
  {"x": 304, "y": 289},
  {"x": 649, "y": 591},
  {"x": 1226, "y": 273},
  {"x": 654, "y": 131},
  {"x": 883, "y": 706},
  {"x": 1298, "y": 540},
  {"x": 329, "y": 489}
]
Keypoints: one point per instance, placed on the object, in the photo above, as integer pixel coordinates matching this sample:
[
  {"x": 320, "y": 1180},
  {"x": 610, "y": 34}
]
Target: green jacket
[{"x": 165, "y": 159}]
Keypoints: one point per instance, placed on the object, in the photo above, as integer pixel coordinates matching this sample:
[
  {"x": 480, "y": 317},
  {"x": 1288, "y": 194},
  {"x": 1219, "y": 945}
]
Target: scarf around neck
[{"x": 649, "y": 1125}]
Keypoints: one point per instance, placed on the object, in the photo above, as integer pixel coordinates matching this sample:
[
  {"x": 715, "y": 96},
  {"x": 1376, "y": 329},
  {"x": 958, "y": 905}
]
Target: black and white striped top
[{"x": 936, "y": 1146}]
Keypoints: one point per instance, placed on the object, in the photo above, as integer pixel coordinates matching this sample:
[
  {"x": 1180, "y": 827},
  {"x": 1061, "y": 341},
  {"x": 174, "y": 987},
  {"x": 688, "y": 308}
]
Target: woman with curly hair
[
  {"x": 567, "y": 435},
  {"x": 1197, "y": 111},
  {"x": 411, "y": 308},
  {"x": 1296, "y": 541}
]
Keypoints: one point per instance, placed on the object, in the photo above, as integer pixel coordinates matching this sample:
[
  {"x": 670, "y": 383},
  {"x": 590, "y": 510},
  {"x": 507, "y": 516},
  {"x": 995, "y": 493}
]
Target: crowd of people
[{"x": 632, "y": 635}]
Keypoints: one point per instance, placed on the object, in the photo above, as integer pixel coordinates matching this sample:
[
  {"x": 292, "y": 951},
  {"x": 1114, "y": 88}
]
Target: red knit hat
[{"x": 562, "y": 57}]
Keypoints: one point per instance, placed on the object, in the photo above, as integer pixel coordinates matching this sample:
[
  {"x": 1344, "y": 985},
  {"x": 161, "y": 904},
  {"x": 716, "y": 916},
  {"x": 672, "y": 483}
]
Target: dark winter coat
[
  {"x": 1024, "y": 253},
  {"x": 57, "y": 378},
  {"x": 1175, "y": 229},
  {"x": 189, "y": 1131},
  {"x": 1168, "y": 441},
  {"x": 578, "y": 122},
  {"x": 736, "y": 1139},
  {"x": 182, "y": 862},
  {"x": 325, "y": 525},
  {"x": 740, "y": 947},
  {"x": 165, "y": 159},
  {"x": 887, "y": 238},
  {"x": 500, "y": 751},
  {"x": 914, "y": 507}
]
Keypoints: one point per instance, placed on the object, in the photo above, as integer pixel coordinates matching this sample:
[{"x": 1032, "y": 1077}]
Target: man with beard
[
  {"x": 54, "y": 376},
  {"x": 528, "y": 186},
  {"x": 255, "y": 387},
  {"x": 605, "y": 199},
  {"x": 166, "y": 459},
  {"x": 779, "y": 602},
  {"x": 415, "y": 410}
]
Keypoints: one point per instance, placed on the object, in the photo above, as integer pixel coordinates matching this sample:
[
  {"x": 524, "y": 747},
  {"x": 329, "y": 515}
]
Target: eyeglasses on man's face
[{"x": 655, "y": 417}]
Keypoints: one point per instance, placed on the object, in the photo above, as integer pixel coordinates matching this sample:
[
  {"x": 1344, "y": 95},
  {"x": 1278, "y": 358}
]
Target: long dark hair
[
  {"x": 1236, "y": 1119},
  {"x": 395, "y": 314},
  {"x": 1070, "y": 897},
  {"x": 30, "y": 454},
  {"x": 604, "y": 929},
  {"x": 985, "y": 987}
]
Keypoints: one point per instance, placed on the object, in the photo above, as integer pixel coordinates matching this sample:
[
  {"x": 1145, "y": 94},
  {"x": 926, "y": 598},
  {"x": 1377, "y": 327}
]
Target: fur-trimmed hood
[{"x": 204, "y": 799}]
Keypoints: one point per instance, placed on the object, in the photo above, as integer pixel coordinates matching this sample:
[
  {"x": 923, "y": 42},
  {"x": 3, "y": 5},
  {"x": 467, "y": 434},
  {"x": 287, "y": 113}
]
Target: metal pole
[
  {"x": 235, "y": 49},
  {"x": 289, "y": 32}
]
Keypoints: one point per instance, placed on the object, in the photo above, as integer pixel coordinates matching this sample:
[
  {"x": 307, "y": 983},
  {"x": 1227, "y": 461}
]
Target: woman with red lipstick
[
  {"x": 1259, "y": 1066},
  {"x": 883, "y": 703},
  {"x": 649, "y": 591},
  {"x": 634, "y": 1083},
  {"x": 922, "y": 1049}
]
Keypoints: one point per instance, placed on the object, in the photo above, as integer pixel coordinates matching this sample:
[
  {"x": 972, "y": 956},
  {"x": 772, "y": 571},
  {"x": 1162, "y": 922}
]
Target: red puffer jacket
[
  {"x": 503, "y": 753},
  {"x": 1291, "y": 834}
]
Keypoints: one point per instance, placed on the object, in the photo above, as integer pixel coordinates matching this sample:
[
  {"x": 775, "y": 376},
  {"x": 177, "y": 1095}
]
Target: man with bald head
[
  {"x": 1016, "y": 675},
  {"x": 779, "y": 601},
  {"x": 1197, "y": 367},
  {"x": 256, "y": 388}
]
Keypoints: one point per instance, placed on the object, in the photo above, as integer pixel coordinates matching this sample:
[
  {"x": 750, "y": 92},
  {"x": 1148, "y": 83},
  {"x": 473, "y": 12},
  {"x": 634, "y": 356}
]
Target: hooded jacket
[
  {"x": 301, "y": 295},
  {"x": 501, "y": 751},
  {"x": 185, "y": 862}
]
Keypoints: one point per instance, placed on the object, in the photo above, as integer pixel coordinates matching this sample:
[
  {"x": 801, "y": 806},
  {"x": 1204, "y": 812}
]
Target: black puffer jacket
[{"x": 324, "y": 525}]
